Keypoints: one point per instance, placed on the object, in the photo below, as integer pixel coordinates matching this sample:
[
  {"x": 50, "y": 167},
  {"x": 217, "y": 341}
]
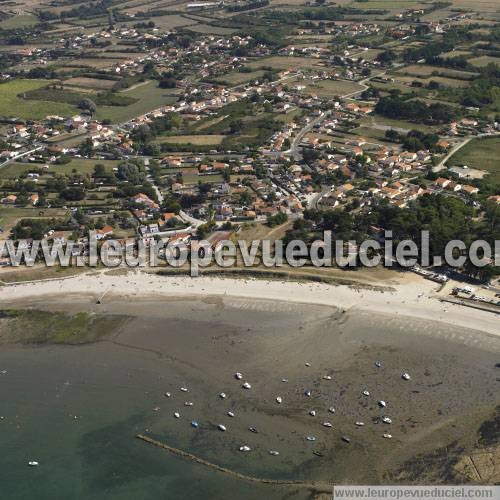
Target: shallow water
[{"x": 113, "y": 388}]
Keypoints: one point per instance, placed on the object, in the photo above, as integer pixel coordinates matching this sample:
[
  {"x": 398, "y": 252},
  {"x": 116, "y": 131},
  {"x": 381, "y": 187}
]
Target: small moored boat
[
  {"x": 33, "y": 463},
  {"x": 221, "y": 427}
]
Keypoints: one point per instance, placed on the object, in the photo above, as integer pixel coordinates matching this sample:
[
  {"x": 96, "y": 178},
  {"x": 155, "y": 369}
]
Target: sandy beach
[{"x": 412, "y": 297}]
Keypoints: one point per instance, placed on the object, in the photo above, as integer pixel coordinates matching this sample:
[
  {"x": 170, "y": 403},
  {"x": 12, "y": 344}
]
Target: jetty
[{"x": 320, "y": 487}]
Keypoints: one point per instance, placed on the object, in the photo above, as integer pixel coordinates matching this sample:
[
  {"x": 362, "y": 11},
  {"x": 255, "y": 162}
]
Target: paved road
[{"x": 26, "y": 153}]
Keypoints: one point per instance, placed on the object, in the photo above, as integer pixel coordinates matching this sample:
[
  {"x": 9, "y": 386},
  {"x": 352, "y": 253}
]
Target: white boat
[
  {"x": 366, "y": 393},
  {"x": 312, "y": 413},
  {"x": 33, "y": 463},
  {"x": 331, "y": 409},
  {"x": 327, "y": 377},
  {"x": 245, "y": 448},
  {"x": 360, "y": 424},
  {"x": 230, "y": 414},
  {"x": 167, "y": 394},
  {"x": 274, "y": 453},
  {"x": 382, "y": 403},
  {"x": 405, "y": 376},
  {"x": 387, "y": 436},
  {"x": 308, "y": 364},
  {"x": 386, "y": 420},
  {"x": 222, "y": 395},
  {"x": 188, "y": 403},
  {"x": 194, "y": 424},
  {"x": 221, "y": 427},
  {"x": 310, "y": 438},
  {"x": 346, "y": 439},
  {"x": 327, "y": 424},
  {"x": 279, "y": 400},
  {"x": 378, "y": 364},
  {"x": 307, "y": 393},
  {"x": 246, "y": 385},
  {"x": 238, "y": 375},
  {"x": 177, "y": 414},
  {"x": 284, "y": 380},
  {"x": 184, "y": 389}
]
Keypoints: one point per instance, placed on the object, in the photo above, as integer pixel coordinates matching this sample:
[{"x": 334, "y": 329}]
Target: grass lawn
[
  {"x": 149, "y": 96},
  {"x": 195, "y": 178},
  {"x": 12, "y": 106},
  {"x": 196, "y": 140},
  {"x": 481, "y": 154}
]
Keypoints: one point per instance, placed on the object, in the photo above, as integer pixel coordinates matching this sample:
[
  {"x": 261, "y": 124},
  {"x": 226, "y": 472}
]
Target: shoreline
[{"x": 411, "y": 298}]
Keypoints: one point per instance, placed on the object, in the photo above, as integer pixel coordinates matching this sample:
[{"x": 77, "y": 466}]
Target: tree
[
  {"x": 130, "y": 173},
  {"x": 88, "y": 105},
  {"x": 99, "y": 170},
  {"x": 277, "y": 220}
]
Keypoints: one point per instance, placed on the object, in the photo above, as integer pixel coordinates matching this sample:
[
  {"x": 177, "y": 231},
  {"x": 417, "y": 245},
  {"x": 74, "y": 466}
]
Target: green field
[
  {"x": 327, "y": 88},
  {"x": 386, "y": 4},
  {"x": 16, "y": 22},
  {"x": 12, "y": 106},
  {"x": 481, "y": 154},
  {"x": 196, "y": 140},
  {"x": 149, "y": 97},
  {"x": 484, "y": 61},
  {"x": 286, "y": 62},
  {"x": 238, "y": 78},
  {"x": 82, "y": 166},
  {"x": 9, "y": 216}
]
